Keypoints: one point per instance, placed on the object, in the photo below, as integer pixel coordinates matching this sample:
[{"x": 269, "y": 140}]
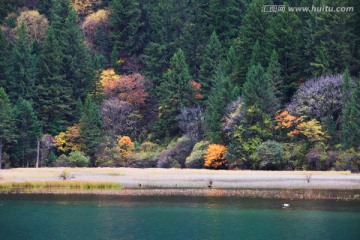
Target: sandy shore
[{"x": 195, "y": 182}]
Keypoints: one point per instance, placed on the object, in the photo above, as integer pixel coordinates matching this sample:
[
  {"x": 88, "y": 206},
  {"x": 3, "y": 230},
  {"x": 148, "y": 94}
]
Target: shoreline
[
  {"x": 289, "y": 194},
  {"x": 194, "y": 183}
]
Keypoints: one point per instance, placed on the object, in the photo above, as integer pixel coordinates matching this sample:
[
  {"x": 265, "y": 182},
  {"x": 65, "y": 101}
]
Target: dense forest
[{"x": 215, "y": 84}]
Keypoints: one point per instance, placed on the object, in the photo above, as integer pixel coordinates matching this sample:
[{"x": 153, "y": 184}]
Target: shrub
[
  {"x": 215, "y": 156},
  {"x": 197, "y": 156},
  {"x": 294, "y": 155},
  {"x": 318, "y": 98},
  {"x": 348, "y": 160},
  {"x": 234, "y": 113},
  {"x": 78, "y": 159},
  {"x": 108, "y": 157},
  {"x": 148, "y": 147},
  {"x": 269, "y": 155},
  {"x": 175, "y": 155},
  {"x": 62, "y": 161}
]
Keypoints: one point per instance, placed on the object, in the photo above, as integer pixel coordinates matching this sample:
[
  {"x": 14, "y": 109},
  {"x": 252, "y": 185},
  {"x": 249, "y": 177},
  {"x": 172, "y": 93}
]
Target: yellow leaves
[
  {"x": 311, "y": 129},
  {"x": 215, "y": 156},
  {"x": 108, "y": 77},
  {"x": 68, "y": 140},
  {"x": 126, "y": 146}
]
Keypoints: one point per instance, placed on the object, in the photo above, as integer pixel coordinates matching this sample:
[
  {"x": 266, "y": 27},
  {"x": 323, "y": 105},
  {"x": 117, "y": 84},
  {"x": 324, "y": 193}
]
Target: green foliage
[
  {"x": 6, "y": 121},
  {"x": 346, "y": 137},
  {"x": 175, "y": 91},
  {"x": 348, "y": 160},
  {"x": 127, "y": 28},
  {"x": 274, "y": 73},
  {"x": 28, "y": 131},
  {"x": 259, "y": 90},
  {"x": 254, "y": 129},
  {"x": 196, "y": 159},
  {"x": 78, "y": 159},
  {"x": 211, "y": 59},
  {"x": 220, "y": 96},
  {"x": 269, "y": 155},
  {"x": 90, "y": 127}
]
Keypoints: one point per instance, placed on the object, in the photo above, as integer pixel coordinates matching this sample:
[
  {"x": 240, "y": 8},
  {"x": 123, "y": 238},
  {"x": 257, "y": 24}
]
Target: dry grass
[{"x": 59, "y": 184}]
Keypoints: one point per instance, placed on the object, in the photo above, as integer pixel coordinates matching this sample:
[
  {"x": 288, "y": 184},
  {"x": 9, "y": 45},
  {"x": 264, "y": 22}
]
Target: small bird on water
[{"x": 285, "y": 205}]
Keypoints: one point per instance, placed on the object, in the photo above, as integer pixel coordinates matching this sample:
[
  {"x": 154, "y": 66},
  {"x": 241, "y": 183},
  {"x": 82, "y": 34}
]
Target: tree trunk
[{"x": 38, "y": 154}]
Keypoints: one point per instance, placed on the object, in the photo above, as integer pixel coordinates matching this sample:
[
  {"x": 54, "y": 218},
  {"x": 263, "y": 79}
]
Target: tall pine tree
[
  {"x": 90, "y": 127},
  {"x": 211, "y": 59},
  {"x": 6, "y": 122},
  {"x": 258, "y": 90}
]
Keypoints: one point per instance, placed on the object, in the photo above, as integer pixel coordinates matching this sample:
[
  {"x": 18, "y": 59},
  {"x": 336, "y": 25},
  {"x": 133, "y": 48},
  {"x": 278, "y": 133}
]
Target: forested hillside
[{"x": 216, "y": 84}]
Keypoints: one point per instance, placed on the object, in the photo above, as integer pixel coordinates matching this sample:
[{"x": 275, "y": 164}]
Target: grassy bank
[
  {"x": 48, "y": 185},
  {"x": 183, "y": 182}
]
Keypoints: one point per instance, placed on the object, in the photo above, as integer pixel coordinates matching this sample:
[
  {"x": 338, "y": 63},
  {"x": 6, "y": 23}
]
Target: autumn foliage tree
[
  {"x": 70, "y": 140},
  {"x": 35, "y": 23},
  {"x": 215, "y": 156}
]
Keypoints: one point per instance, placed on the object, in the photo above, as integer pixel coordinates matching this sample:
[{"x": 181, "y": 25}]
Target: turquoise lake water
[{"x": 100, "y": 217}]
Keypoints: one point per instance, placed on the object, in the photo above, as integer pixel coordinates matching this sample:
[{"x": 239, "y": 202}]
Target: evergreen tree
[
  {"x": 54, "y": 103},
  {"x": 225, "y": 17},
  {"x": 221, "y": 94},
  {"x": 253, "y": 27},
  {"x": 285, "y": 35},
  {"x": 77, "y": 64},
  {"x": 273, "y": 71},
  {"x": 229, "y": 65},
  {"x": 176, "y": 91},
  {"x": 354, "y": 118},
  {"x": 258, "y": 90},
  {"x": 330, "y": 43},
  {"x": 28, "y": 131},
  {"x": 90, "y": 127},
  {"x": 256, "y": 57},
  {"x": 6, "y": 122},
  {"x": 346, "y": 137},
  {"x": 126, "y": 26},
  {"x": 22, "y": 69},
  {"x": 210, "y": 61},
  {"x": 4, "y": 60}
]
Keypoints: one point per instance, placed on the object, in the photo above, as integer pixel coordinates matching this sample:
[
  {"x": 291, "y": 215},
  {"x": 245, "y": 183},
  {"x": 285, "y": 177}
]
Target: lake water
[{"x": 103, "y": 217}]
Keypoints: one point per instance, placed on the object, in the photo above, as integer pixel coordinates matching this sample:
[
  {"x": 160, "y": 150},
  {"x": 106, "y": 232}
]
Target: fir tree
[
  {"x": 90, "y": 127},
  {"x": 354, "y": 118},
  {"x": 253, "y": 29},
  {"x": 285, "y": 35},
  {"x": 220, "y": 96},
  {"x": 273, "y": 71},
  {"x": 6, "y": 122},
  {"x": 22, "y": 69},
  {"x": 259, "y": 91},
  {"x": 77, "y": 64},
  {"x": 176, "y": 91},
  {"x": 54, "y": 103},
  {"x": 255, "y": 55},
  {"x": 28, "y": 130},
  {"x": 126, "y": 25},
  {"x": 4, "y": 60},
  {"x": 346, "y": 137},
  {"x": 210, "y": 61}
]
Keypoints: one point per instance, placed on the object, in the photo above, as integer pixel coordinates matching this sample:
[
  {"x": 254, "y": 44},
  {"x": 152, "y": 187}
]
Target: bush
[
  {"x": 148, "y": 147},
  {"x": 269, "y": 155},
  {"x": 108, "y": 157},
  {"x": 175, "y": 155},
  {"x": 294, "y": 155},
  {"x": 197, "y": 156},
  {"x": 348, "y": 160},
  {"x": 62, "y": 161},
  {"x": 215, "y": 156},
  {"x": 78, "y": 159}
]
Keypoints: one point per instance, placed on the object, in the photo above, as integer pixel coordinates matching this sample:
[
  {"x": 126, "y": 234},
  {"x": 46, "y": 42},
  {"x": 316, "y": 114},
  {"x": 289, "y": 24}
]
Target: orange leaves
[
  {"x": 197, "y": 89},
  {"x": 285, "y": 120},
  {"x": 311, "y": 129},
  {"x": 215, "y": 156},
  {"x": 128, "y": 88},
  {"x": 126, "y": 146}
]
